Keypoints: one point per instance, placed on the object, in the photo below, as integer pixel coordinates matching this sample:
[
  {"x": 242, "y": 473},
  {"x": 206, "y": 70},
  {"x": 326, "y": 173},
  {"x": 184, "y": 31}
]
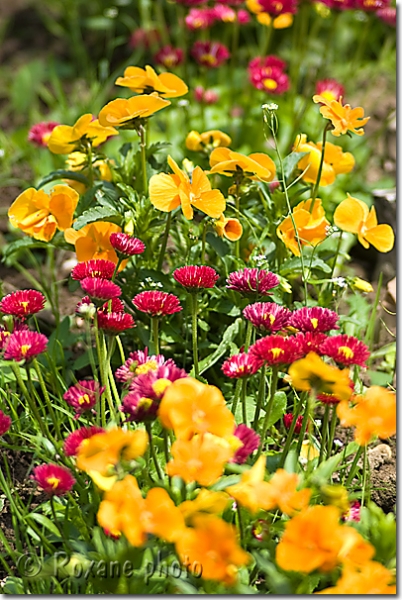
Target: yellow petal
[
  {"x": 211, "y": 203},
  {"x": 175, "y": 85},
  {"x": 381, "y": 237},
  {"x": 63, "y": 202},
  {"x": 163, "y": 192},
  {"x": 350, "y": 214}
]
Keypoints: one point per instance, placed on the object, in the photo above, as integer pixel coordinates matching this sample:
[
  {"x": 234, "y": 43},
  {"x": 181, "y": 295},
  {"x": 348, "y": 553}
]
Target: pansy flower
[
  {"x": 122, "y": 112},
  {"x": 311, "y": 226},
  {"x": 208, "y": 140},
  {"x": 64, "y": 139},
  {"x": 93, "y": 242},
  {"x": 257, "y": 166},
  {"x": 335, "y": 162},
  {"x": 343, "y": 118},
  {"x": 228, "y": 227},
  {"x": 147, "y": 81}
]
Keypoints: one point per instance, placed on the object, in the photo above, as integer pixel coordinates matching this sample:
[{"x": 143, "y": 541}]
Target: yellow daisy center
[
  {"x": 270, "y": 84},
  {"x": 160, "y": 385},
  {"x": 25, "y": 348},
  {"x": 314, "y": 322},
  {"x": 53, "y": 481},
  {"x": 151, "y": 365},
  {"x": 346, "y": 351},
  {"x": 84, "y": 399},
  {"x": 276, "y": 352}
]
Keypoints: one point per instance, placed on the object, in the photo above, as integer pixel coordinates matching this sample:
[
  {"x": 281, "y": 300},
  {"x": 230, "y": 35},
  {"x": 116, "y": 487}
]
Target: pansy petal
[
  {"x": 63, "y": 202},
  {"x": 381, "y": 237},
  {"x": 174, "y": 84},
  {"x": 211, "y": 203},
  {"x": 163, "y": 192},
  {"x": 350, "y": 214}
]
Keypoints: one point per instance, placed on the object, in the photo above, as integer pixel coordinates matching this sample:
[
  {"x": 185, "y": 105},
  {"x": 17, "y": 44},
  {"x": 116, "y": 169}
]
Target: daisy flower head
[
  {"x": 98, "y": 267},
  {"x": 314, "y": 319},
  {"x": 126, "y": 245},
  {"x": 252, "y": 282},
  {"x": 195, "y": 278},
  {"x": 240, "y": 365},
  {"x": 267, "y": 316},
  {"x": 114, "y": 323},
  {"x": 22, "y": 303},
  {"x": 100, "y": 290},
  {"x": 54, "y": 480},
  {"x": 157, "y": 304},
  {"x": 74, "y": 440},
  {"x": 274, "y": 350},
  {"x": 138, "y": 363},
  {"x": 83, "y": 395},
  {"x": 40, "y": 133},
  {"x": 250, "y": 441},
  {"x": 25, "y": 345},
  {"x": 5, "y": 423}
]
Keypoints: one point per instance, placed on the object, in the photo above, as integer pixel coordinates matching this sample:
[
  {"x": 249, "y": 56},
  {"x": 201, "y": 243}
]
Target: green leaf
[
  {"x": 293, "y": 266},
  {"x": 22, "y": 244},
  {"x": 218, "y": 244},
  {"x": 97, "y": 213},
  {"x": 227, "y": 338},
  {"x": 290, "y": 162},
  {"x": 45, "y": 522},
  {"x": 278, "y": 408},
  {"x": 63, "y": 174},
  {"x": 327, "y": 468}
]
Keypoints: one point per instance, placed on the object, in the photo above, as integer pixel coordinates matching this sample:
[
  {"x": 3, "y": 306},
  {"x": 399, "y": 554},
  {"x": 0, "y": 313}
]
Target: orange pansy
[
  {"x": 207, "y": 502},
  {"x": 64, "y": 139},
  {"x": 335, "y": 160},
  {"x": 189, "y": 407},
  {"x": 211, "y": 549},
  {"x": 104, "y": 450},
  {"x": 231, "y": 228},
  {"x": 312, "y": 373},
  {"x": 252, "y": 490},
  {"x": 208, "y": 140},
  {"x": 311, "y": 226},
  {"x": 161, "y": 517},
  {"x": 283, "y": 493},
  {"x": 202, "y": 459},
  {"x": 343, "y": 118},
  {"x": 146, "y": 81},
  {"x": 123, "y": 111},
  {"x": 314, "y": 539},
  {"x": 93, "y": 241},
  {"x": 353, "y": 215},
  {"x": 257, "y": 166},
  {"x": 39, "y": 214},
  {"x": 372, "y": 578},
  {"x": 373, "y": 414},
  {"x": 167, "y": 192}
]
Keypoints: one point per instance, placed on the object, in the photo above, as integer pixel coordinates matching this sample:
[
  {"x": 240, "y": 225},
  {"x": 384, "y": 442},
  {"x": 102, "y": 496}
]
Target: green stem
[
  {"x": 153, "y": 452},
  {"x": 268, "y": 410},
  {"x": 164, "y": 241},
  {"x": 90, "y": 166},
  {"x": 90, "y": 350},
  {"x": 244, "y": 399},
  {"x": 203, "y": 242},
  {"x": 353, "y": 468},
  {"x": 31, "y": 401},
  {"x": 260, "y": 397},
  {"x": 240, "y": 524},
  {"x": 46, "y": 396},
  {"x": 237, "y": 201},
  {"x": 327, "y": 127},
  {"x": 194, "y": 309},
  {"x": 236, "y": 395},
  {"x": 58, "y": 524},
  {"x": 304, "y": 427},
  {"x": 289, "y": 438},
  {"x": 334, "y": 420},
  {"x": 121, "y": 349},
  {"x": 53, "y": 286},
  {"x": 249, "y": 332},
  {"x": 266, "y": 39},
  {"x": 324, "y": 431},
  {"x": 365, "y": 472},
  {"x": 103, "y": 375},
  {"x": 143, "y": 147},
  {"x": 155, "y": 335}
]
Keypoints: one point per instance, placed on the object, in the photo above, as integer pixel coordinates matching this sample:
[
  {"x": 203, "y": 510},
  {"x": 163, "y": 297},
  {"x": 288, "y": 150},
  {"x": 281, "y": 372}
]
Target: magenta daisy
[
  {"x": 311, "y": 342},
  {"x": 114, "y": 323},
  {"x": 267, "y": 316},
  {"x": 126, "y": 245},
  {"x": 196, "y": 278},
  {"x": 268, "y": 74},
  {"x": 157, "y": 304},
  {"x": 104, "y": 269},
  {"x": 241, "y": 365},
  {"x": 346, "y": 350},
  {"x": 288, "y": 420},
  {"x": 331, "y": 398},
  {"x": 53, "y": 479},
  {"x": 73, "y": 440},
  {"x": 274, "y": 8},
  {"x": 114, "y": 305},
  {"x": 40, "y": 133},
  {"x": 169, "y": 57},
  {"x": 83, "y": 395},
  {"x": 5, "y": 423},
  {"x": 200, "y": 18},
  {"x": 252, "y": 282},
  {"x": 315, "y": 319},
  {"x": 4, "y": 336},
  {"x": 210, "y": 54},
  {"x": 276, "y": 350},
  {"x": 22, "y": 303},
  {"x": 100, "y": 289},
  {"x": 330, "y": 89},
  {"x": 138, "y": 363},
  {"x": 25, "y": 345},
  {"x": 250, "y": 440}
]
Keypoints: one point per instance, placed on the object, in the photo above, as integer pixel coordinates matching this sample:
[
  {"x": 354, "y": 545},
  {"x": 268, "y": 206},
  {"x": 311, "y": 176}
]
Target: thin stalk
[
  {"x": 164, "y": 241},
  {"x": 314, "y": 193},
  {"x": 153, "y": 453},
  {"x": 353, "y": 468},
  {"x": 31, "y": 401},
  {"x": 260, "y": 397},
  {"x": 103, "y": 375},
  {"x": 194, "y": 307},
  {"x": 143, "y": 147},
  {"x": 90, "y": 166},
  {"x": 46, "y": 396},
  {"x": 249, "y": 332},
  {"x": 58, "y": 524},
  {"x": 90, "y": 350},
  {"x": 155, "y": 335},
  {"x": 244, "y": 399},
  {"x": 266, "y": 40},
  {"x": 365, "y": 472},
  {"x": 203, "y": 241},
  {"x": 272, "y": 390},
  {"x": 107, "y": 355},
  {"x": 304, "y": 427},
  {"x": 289, "y": 438},
  {"x": 240, "y": 524},
  {"x": 121, "y": 350},
  {"x": 334, "y": 420},
  {"x": 237, "y": 201},
  {"x": 236, "y": 395},
  {"x": 53, "y": 287},
  {"x": 324, "y": 431}
]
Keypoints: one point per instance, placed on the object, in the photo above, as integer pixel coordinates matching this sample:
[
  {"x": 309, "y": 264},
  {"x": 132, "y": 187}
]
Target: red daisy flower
[
  {"x": 331, "y": 89},
  {"x": 5, "y": 423},
  {"x": 267, "y": 74},
  {"x": 22, "y": 303},
  {"x": 196, "y": 278},
  {"x": 241, "y": 365},
  {"x": 311, "y": 342},
  {"x": 138, "y": 363},
  {"x": 200, "y": 18},
  {"x": 157, "y": 304},
  {"x": 339, "y": 4},
  {"x": 99, "y": 267},
  {"x": 53, "y": 479},
  {"x": 73, "y": 440},
  {"x": 25, "y": 345},
  {"x": 205, "y": 96},
  {"x": 267, "y": 316},
  {"x": 210, "y": 54},
  {"x": 83, "y": 395},
  {"x": 169, "y": 57},
  {"x": 224, "y": 13},
  {"x": 147, "y": 391},
  {"x": 250, "y": 440},
  {"x": 387, "y": 14},
  {"x": 100, "y": 289},
  {"x": 4, "y": 336},
  {"x": 126, "y": 245},
  {"x": 40, "y": 133},
  {"x": 288, "y": 420},
  {"x": 315, "y": 319},
  {"x": 346, "y": 350},
  {"x": 371, "y": 5},
  {"x": 353, "y": 514},
  {"x": 114, "y": 305},
  {"x": 114, "y": 323},
  {"x": 252, "y": 281},
  {"x": 276, "y": 350}
]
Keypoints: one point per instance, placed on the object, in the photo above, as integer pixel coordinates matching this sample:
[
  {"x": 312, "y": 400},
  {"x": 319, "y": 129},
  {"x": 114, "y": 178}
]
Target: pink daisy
[
  {"x": 268, "y": 74},
  {"x": 103, "y": 269},
  {"x": 100, "y": 289},
  {"x": 199, "y": 18},
  {"x": 5, "y": 423},
  {"x": 157, "y": 304},
  {"x": 4, "y": 336},
  {"x": 275, "y": 8},
  {"x": 25, "y": 345},
  {"x": 40, "y": 133},
  {"x": 138, "y": 363},
  {"x": 252, "y": 282},
  {"x": 311, "y": 342},
  {"x": 267, "y": 316},
  {"x": 315, "y": 319},
  {"x": 250, "y": 440},
  {"x": 53, "y": 479},
  {"x": 210, "y": 54},
  {"x": 276, "y": 350},
  {"x": 196, "y": 278},
  {"x": 114, "y": 323},
  {"x": 83, "y": 395},
  {"x": 22, "y": 303},
  {"x": 288, "y": 420},
  {"x": 169, "y": 57},
  {"x": 346, "y": 350},
  {"x": 240, "y": 365},
  {"x": 73, "y": 440},
  {"x": 126, "y": 245},
  {"x": 331, "y": 89}
]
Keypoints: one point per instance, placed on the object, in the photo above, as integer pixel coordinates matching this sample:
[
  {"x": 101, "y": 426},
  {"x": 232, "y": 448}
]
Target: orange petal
[
  {"x": 350, "y": 214},
  {"x": 174, "y": 84},
  {"x": 63, "y": 202},
  {"x": 199, "y": 182},
  {"x": 219, "y": 155},
  {"x": 211, "y": 203},
  {"x": 163, "y": 192},
  {"x": 381, "y": 237},
  {"x": 185, "y": 203}
]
